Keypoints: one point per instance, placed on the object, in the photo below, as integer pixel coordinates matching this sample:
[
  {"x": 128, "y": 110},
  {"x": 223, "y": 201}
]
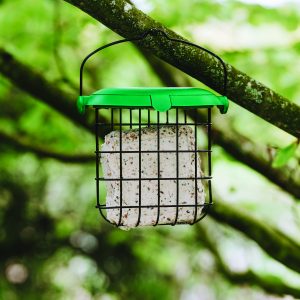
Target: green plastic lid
[{"x": 159, "y": 98}]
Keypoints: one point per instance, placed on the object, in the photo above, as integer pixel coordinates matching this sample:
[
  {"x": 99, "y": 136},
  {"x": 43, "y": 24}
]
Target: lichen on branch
[{"x": 126, "y": 20}]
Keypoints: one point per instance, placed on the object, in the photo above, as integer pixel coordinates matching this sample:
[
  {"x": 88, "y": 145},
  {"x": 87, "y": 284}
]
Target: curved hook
[{"x": 153, "y": 32}]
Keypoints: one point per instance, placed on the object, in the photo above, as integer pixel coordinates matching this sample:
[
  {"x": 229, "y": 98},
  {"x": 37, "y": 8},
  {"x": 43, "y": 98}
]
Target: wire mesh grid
[{"x": 122, "y": 120}]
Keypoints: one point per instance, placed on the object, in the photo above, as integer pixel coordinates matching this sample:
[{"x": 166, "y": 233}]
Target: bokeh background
[{"x": 53, "y": 243}]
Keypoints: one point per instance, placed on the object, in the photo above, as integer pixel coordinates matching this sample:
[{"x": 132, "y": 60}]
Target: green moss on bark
[{"x": 128, "y": 21}]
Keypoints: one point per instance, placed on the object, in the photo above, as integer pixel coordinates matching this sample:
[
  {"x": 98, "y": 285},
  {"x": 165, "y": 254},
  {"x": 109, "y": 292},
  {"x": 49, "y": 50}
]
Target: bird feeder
[{"x": 149, "y": 167}]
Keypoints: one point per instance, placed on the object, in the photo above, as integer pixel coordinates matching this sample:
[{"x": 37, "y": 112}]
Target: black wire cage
[{"x": 154, "y": 165}]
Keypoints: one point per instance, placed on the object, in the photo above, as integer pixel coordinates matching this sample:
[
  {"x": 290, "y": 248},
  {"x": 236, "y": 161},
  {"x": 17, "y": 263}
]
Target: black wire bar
[
  {"x": 155, "y": 124},
  {"x": 153, "y": 151},
  {"x": 154, "y": 178}
]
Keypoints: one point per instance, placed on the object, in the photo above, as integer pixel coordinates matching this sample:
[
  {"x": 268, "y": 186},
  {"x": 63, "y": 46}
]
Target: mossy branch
[{"x": 126, "y": 20}]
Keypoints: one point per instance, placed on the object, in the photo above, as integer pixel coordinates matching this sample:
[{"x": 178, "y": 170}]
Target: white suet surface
[{"x": 149, "y": 169}]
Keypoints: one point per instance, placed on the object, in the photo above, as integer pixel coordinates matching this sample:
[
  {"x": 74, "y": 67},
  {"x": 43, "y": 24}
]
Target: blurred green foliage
[{"x": 53, "y": 244}]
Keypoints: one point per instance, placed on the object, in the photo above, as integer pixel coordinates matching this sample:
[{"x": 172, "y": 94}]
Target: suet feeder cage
[{"x": 149, "y": 167}]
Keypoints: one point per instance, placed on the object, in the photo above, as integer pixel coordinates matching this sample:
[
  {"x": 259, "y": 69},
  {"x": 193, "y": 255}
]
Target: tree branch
[
  {"x": 23, "y": 144},
  {"x": 33, "y": 83},
  {"x": 255, "y": 157},
  {"x": 232, "y": 142},
  {"x": 275, "y": 243},
  {"x": 207, "y": 235},
  {"x": 128, "y": 21}
]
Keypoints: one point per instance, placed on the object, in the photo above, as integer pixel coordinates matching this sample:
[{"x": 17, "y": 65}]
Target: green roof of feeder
[{"x": 159, "y": 98}]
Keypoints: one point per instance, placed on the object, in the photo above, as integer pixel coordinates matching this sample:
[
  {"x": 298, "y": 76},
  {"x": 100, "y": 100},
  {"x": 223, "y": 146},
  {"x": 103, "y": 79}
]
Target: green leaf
[{"x": 284, "y": 155}]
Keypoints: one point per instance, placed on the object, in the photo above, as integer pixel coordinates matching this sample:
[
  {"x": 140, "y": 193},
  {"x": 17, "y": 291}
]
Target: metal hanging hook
[{"x": 153, "y": 32}]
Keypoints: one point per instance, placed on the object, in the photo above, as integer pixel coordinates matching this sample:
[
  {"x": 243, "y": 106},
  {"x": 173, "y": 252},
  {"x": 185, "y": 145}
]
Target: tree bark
[{"x": 126, "y": 20}]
